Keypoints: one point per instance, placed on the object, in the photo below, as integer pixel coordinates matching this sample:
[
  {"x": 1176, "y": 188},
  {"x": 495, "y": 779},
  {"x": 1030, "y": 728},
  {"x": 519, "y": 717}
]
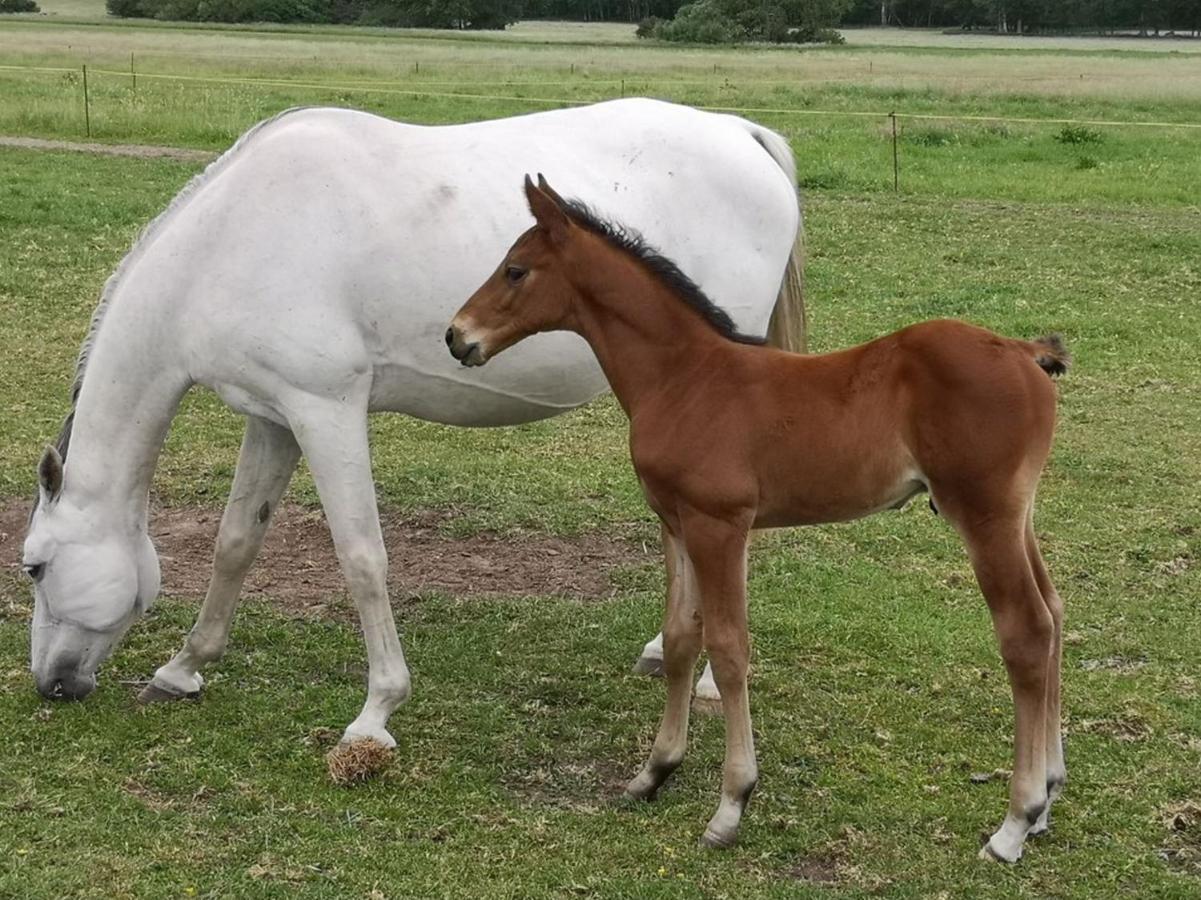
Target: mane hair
[
  {"x": 63, "y": 442},
  {"x": 632, "y": 242}
]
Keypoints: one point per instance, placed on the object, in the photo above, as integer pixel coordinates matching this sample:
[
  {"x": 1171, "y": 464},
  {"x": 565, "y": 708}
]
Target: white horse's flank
[{"x": 307, "y": 277}]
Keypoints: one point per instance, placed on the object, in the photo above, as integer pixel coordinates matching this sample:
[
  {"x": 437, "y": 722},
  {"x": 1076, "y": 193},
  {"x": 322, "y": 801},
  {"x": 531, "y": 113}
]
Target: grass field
[{"x": 877, "y": 689}]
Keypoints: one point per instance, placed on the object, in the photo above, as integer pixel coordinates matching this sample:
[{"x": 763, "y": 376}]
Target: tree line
[{"x": 712, "y": 21}]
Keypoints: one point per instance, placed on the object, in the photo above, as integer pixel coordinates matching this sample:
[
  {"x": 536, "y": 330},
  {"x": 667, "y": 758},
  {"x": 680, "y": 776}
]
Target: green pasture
[{"x": 877, "y": 689}]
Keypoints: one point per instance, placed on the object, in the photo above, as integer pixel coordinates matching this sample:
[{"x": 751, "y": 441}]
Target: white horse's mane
[{"x": 155, "y": 225}]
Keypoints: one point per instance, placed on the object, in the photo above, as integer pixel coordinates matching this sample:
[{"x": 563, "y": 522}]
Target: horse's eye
[
  {"x": 35, "y": 571},
  {"x": 515, "y": 273}
]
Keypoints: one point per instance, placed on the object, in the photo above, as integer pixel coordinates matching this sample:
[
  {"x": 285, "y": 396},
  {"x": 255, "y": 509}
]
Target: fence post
[
  {"x": 896, "y": 170},
  {"x": 87, "y": 113},
  {"x": 623, "y": 87},
  {"x": 133, "y": 75}
]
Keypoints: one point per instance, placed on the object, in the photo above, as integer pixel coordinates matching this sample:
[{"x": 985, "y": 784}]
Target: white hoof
[
  {"x": 649, "y": 665},
  {"x": 379, "y": 735},
  {"x": 990, "y": 853},
  {"x": 171, "y": 683}
]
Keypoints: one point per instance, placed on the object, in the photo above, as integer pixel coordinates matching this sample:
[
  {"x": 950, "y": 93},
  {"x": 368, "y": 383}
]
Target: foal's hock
[{"x": 728, "y": 435}]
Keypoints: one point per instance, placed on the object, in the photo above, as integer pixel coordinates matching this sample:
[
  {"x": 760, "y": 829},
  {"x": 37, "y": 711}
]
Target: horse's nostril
[{"x": 450, "y": 336}]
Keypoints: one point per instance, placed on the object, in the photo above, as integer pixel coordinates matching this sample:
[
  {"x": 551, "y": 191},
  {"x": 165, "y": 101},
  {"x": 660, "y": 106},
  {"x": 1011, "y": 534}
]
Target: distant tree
[
  {"x": 19, "y": 6},
  {"x": 728, "y": 21}
]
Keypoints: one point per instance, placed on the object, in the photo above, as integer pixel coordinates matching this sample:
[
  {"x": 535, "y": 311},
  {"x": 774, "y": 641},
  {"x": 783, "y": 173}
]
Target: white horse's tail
[{"x": 788, "y": 326}]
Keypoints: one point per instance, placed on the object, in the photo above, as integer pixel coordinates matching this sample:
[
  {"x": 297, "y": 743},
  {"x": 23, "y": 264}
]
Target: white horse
[{"x": 306, "y": 277}]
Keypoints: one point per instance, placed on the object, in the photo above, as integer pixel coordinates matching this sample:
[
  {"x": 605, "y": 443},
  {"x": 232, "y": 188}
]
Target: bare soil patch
[
  {"x": 297, "y": 569},
  {"x": 139, "y": 151}
]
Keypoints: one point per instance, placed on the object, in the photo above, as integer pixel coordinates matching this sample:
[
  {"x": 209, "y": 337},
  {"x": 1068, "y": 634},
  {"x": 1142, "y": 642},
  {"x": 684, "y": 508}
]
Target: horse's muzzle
[{"x": 64, "y": 685}]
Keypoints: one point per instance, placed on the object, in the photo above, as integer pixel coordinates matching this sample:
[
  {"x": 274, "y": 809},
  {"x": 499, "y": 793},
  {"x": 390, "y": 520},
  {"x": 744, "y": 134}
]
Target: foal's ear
[
  {"x": 547, "y": 212},
  {"x": 50, "y": 474},
  {"x": 544, "y": 186}
]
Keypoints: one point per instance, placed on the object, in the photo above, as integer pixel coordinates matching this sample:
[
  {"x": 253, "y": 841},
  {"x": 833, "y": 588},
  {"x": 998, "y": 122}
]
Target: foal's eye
[
  {"x": 35, "y": 571},
  {"x": 514, "y": 274}
]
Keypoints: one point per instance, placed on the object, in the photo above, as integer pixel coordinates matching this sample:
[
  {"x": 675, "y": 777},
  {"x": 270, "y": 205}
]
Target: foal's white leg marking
[
  {"x": 266, "y": 463},
  {"x": 682, "y": 644},
  {"x": 333, "y": 436}
]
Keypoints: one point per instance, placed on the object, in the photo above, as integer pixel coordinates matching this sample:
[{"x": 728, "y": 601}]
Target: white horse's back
[{"x": 350, "y": 240}]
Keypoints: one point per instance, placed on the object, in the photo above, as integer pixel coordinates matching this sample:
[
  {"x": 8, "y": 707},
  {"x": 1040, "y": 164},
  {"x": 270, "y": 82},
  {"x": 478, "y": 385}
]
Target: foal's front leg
[
  {"x": 718, "y": 550},
  {"x": 681, "y": 646}
]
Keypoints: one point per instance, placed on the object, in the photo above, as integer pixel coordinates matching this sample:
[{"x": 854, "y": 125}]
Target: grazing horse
[
  {"x": 306, "y": 277},
  {"x": 727, "y": 435}
]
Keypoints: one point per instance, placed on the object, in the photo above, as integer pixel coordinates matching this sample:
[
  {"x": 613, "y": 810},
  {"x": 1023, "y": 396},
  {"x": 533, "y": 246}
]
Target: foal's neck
[
  {"x": 132, "y": 386},
  {"x": 648, "y": 340}
]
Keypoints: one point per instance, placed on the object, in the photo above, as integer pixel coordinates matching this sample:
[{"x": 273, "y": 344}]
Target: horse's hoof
[
  {"x": 715, "y": 841},
  {"x": 649, "y": 665},
  {"x": 989, "y": 853},
  {"x": 153, "y": 693},
  {"x": 707, "y": 706}
]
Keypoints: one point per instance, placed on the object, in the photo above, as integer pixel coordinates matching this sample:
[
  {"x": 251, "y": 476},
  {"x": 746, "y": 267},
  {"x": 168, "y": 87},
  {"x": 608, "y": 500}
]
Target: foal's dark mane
[{"x": 632, "y": 242}]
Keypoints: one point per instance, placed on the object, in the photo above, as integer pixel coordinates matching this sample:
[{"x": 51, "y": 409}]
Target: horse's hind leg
[
  {"x": 265, "y": 466},
  {"x": 996, "y": 543},
  {"x": 1056, "y": 767},
  {"x": 681, "y": 646}
]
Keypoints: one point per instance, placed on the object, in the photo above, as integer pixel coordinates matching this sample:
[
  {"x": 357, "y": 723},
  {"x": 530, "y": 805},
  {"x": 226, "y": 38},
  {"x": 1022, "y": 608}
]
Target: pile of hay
[{"x": 357, "y": 761}]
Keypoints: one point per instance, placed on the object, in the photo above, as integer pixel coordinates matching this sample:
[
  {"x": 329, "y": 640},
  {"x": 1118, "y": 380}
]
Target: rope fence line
[
  {"x": 417, "y": 91},
  {"x": 731, "y": 78},
  {"x": 382, "y": 87}
]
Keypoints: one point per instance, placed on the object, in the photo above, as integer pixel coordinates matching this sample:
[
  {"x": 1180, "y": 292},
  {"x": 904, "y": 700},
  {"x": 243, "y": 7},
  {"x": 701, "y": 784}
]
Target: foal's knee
[{"x": 1026, "y": 640}]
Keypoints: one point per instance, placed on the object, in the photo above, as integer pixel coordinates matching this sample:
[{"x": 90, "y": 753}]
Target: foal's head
[{"x": 528, "y": 292}]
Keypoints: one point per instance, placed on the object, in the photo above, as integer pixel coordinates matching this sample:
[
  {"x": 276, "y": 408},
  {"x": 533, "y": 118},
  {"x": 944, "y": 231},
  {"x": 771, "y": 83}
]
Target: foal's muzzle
[{"x": 467, "y": 353}]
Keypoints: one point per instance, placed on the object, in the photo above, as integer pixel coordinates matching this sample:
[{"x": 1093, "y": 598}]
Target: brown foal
[{"x": 727, "y": 435}]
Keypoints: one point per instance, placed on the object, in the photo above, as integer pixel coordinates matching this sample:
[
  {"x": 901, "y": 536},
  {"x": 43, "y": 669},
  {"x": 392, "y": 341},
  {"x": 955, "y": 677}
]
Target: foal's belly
[{"x": 838, "y": 499}]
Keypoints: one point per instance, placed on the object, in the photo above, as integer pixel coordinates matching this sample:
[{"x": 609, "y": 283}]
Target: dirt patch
[
  {"x": 140, "y": 151},
  {"x": 297, "y": 569},
  {"x": 815, "y": 870},
  {"x": 1182, "y": 850},
  {"x": 576, "y": 785}
]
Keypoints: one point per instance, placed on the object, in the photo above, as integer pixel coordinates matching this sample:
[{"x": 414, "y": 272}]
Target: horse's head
[
  {"x": 90, "y": 582},
  {"x": 528, "y": 293}
]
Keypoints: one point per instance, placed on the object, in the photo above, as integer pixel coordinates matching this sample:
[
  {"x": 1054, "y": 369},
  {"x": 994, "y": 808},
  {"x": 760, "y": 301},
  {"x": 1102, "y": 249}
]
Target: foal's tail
[
  {"x": 1051, "y": 354},
  {"x": 788, "y": 326}
]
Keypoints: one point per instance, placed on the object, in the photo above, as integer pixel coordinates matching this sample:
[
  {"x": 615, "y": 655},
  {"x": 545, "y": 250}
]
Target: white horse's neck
[{"x": 134, "y": 380}]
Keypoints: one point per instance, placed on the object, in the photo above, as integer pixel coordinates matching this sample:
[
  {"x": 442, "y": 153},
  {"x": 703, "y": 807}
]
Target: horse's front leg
[
  {"x": 265, "y": 465},
  {"x": 717, "y": 548},
  {"x": 681, "y": 646},
  {"x": 333, "y": 436}
]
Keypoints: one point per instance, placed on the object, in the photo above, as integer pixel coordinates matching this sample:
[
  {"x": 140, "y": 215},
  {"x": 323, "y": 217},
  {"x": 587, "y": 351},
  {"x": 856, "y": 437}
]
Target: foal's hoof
[
  {"x": 649, "y": 665},
  {"x": 706, "y": 706}
]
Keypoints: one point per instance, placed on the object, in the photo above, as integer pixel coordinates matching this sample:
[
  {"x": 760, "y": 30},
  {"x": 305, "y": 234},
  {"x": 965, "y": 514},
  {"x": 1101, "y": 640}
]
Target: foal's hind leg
[
  {"x": 681, "y": 646},
  {"x": 718, "y": 548},
  {"x": 1025, "y": 631},
  {"x": 1056, "y": 768},
  {"x": 265, "y": 465}
]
